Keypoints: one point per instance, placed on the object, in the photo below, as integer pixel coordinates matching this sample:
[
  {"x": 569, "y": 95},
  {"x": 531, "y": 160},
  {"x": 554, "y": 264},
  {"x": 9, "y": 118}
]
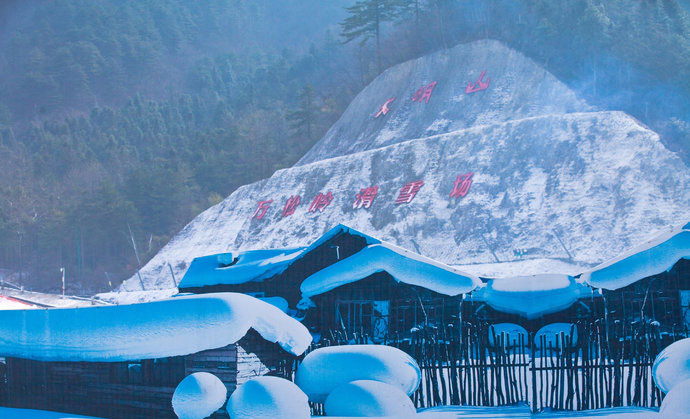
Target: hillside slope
[
  {"x": 517, "y": 88},
  {"x": 599, "y": 180}
]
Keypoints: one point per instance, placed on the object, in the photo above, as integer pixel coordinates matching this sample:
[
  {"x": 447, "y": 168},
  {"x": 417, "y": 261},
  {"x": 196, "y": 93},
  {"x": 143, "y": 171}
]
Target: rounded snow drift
[
  {"x": 367, "y": 398},
  {"x": 198, "y": 396},
  {"x": 672, "y": 365},
  {"x": 677, "y": 401},
  {"x": 327, "y": 368},
  {"x": 268, "y": 398}
]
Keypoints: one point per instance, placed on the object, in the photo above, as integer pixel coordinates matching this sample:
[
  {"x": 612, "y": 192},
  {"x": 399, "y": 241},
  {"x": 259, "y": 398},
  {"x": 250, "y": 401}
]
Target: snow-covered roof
[
  {"x": 655, "y": 256},
  {"x": 252, "y": 265},
  {"x": 255, "y": 265},
  {"x": 173, "y": 327},
  {"x": 404, "y": 266},
  {"x": 532, "y": 296}
]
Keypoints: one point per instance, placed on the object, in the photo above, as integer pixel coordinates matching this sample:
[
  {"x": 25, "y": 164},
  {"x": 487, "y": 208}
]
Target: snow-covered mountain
[{"x": 549, "y": 174}]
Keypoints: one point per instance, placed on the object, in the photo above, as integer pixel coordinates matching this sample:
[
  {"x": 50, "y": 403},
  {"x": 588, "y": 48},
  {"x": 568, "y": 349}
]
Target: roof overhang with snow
[
  {"x": 174, "y": 327},
  {"x": 256, "y": 265},
  {"x": 655, "y": 256},
  {"x": 404, "y": 266},
  {"x": 532, "y": 296},
  {"x": 252, "y": 265}
]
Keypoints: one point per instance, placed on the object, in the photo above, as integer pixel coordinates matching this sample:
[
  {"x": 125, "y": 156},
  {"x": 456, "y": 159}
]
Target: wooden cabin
[
  {"x": 141, "y": 388},
  {"x": 131, "y": 358},
  {"x": 378, "y": 306}
]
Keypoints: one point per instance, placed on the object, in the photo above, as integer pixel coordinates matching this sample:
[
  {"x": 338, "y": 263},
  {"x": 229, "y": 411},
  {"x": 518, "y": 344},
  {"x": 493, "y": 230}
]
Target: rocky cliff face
[{"x": 545, "y": 168}]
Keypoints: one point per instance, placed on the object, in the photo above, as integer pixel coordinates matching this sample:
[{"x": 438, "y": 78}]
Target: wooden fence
[{"x": 590, "y": 366}]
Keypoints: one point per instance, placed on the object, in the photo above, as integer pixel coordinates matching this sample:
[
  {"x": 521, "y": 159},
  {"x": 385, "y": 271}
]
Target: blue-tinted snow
[
  {"x": 532, "y": 296},
  {"x": 10, "y": 413},
  {"x": 268, "y": 398},
  {"x": 672, "y": 365},
  {"x": 404, "y": 266},
  {"x": 677, "y": 400},
  {"x": 255, "y": 265},
  {"x": 653, "y": 257},
  {"x": 324, "y": 369},
  {"x": 173, "y": 327},
  {"x": 369, "y": 398},
  {"x": 252, "y": 265},
  {"x": 198, "y": 396}
]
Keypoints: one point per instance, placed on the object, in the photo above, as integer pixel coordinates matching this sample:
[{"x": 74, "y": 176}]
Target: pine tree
[
  {"x": 303, "y": 119},
  {"x": 365, "y": 19}
]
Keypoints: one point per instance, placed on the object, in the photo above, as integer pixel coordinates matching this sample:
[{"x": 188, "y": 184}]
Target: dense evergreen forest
[{"x": 120, "y": 120}]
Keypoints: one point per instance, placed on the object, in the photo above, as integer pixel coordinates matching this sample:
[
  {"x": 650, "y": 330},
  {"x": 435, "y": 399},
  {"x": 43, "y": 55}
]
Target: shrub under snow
[
  {"x": 268, "y": 398},
  {"x": 677, "y": 401},
  {"x": 198, "y": 396},
  {"x": 327, "y": 368},
  {"x": 672, "y": 365},
  {"x": 367, "y": 398}
]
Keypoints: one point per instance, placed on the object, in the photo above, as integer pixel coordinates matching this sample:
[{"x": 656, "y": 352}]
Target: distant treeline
[{"x": 122, "y": 120}]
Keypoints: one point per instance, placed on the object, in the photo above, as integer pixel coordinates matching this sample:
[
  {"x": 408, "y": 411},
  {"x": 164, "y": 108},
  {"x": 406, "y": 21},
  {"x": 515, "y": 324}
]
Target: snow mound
[
  {"x": 672, "y": 365},
  {"x": 404, "y": 266},
  {"x": 677, "y": 401},
  {"x": 324, "y": 369},
  {"x": 511, "y": 333},
  {"x": 173, "y": 327},
  {"x": 657, "y": 255},
  {"x": 531, "y": 296},
  {"x": 367, "y": 398},
  {"x": 556, "y": 334},
  {"x": 198, "y": 396},
  {"x": 268, "y": 398}
]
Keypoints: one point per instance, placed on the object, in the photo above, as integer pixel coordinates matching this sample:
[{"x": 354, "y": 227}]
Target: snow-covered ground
[
  {"x": 10, "y": 303},
  {"x": 523, "y": 412},
  {"x": 47, "y": 300},
  {"x": 9, "y": 413}
]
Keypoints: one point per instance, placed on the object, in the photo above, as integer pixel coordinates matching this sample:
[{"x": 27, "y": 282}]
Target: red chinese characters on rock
[
  {"x": 384, "y": 108},
  {"x": 365, "y": 197},
  {"x": 462, "y": 185},
  {"x": 290, "y": 205},
  {"x": 261, "y": 209},
  {"x": 424, "y": 93},
  {"x": 320, "y": 202},
  {"x": 478, "y": 85},
  {"x": 408, "y": 192}
]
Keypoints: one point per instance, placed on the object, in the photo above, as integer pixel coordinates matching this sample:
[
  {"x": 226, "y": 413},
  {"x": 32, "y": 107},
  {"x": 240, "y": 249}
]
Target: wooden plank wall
[
  {"x": 98, "y": 388},
  {"x": 83, "y": 388}
]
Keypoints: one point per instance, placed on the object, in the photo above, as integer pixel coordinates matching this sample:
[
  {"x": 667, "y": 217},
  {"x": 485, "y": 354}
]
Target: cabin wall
[
  {"x": 89, "y": 388},
  {"x": 134, "y": 389}
]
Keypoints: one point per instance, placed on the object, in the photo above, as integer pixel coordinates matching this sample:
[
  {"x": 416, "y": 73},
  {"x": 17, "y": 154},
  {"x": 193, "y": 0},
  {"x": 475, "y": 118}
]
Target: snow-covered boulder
[
  {"x": 327, "y": 368},
  {"x": 672, "y": 365},
  {"x": 511, "y": 333},
  {"x": 367, "y": 398},
  {"x": 268, "y": 398},
  {"x": 198, "y": 396},
  {"x": 556, "y": 335},
  {"x": 677, "y": 401}
]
